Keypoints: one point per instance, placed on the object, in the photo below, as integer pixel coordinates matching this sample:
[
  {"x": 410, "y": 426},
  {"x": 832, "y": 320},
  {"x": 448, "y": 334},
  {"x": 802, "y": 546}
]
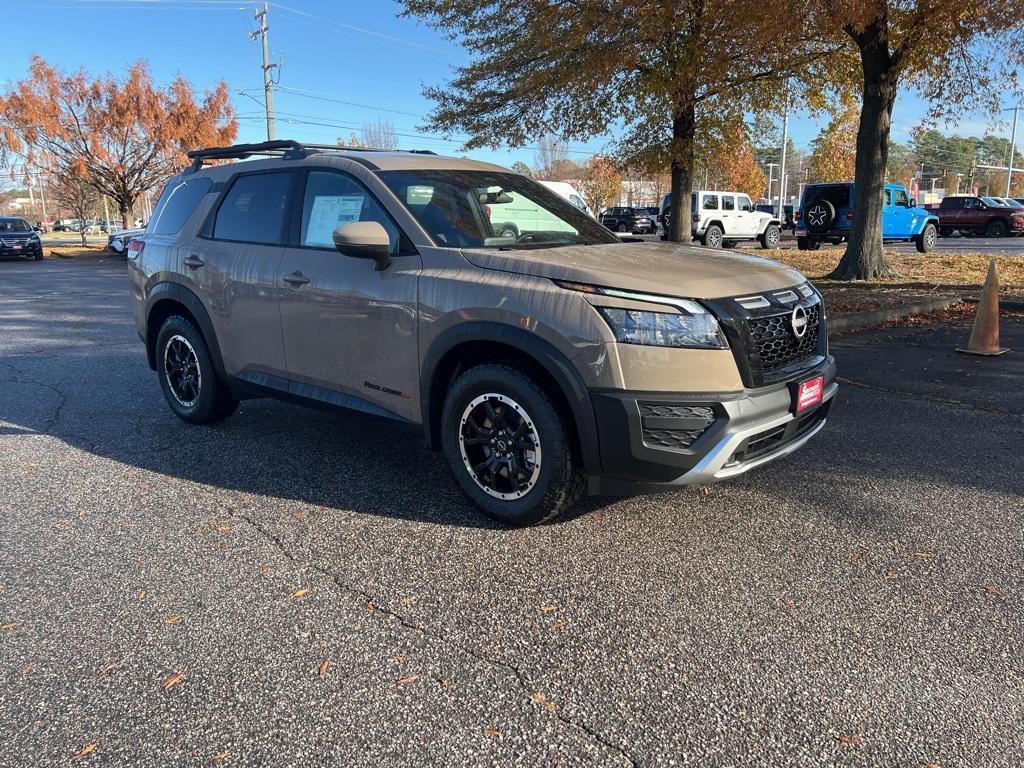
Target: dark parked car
[
  {"x": 635, "y": 220},
  {"x": 972, "y": 215},
  {"x": 787, "y": 214},
  {"x": 18, "y": 238}
]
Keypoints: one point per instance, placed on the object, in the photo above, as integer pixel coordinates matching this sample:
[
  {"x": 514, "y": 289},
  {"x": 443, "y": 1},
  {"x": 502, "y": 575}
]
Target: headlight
[
  {"x": 691, "y": 326},
  {"x": 663, "y": 329}
]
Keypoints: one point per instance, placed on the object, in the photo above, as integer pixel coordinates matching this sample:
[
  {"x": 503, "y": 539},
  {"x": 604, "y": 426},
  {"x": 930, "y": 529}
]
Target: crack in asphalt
[
  {"x": 931, "y": 398},
  {"x": 368, "y": 598}
]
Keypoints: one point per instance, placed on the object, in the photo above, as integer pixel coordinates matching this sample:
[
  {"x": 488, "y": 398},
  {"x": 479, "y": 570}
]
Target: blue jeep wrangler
[{"x": 827, "y": 210}]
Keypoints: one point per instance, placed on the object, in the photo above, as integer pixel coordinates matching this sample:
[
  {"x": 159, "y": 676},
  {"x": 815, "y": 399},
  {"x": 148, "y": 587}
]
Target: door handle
[
  {"x": 194, "y": 262},
  {"x": 296, "y": 279}
]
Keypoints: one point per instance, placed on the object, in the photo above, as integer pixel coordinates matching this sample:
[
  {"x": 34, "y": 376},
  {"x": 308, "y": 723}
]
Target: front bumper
[
  {"x": 7, "y": 252},
  {"x": 747, "y": 429}
]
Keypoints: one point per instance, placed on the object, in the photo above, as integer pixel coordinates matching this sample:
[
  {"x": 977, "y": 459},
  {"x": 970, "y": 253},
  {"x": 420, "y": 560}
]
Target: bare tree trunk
[
  {"x": 864, "y": 258},
  {"x": 684, "y": 126},
  {"x": 81, "y": 231}
]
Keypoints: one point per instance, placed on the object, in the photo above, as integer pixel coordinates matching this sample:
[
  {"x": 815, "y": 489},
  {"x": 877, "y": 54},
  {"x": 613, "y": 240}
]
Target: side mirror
[
  {"x": 364, "y": 240},
  {"x": 913, "y": 202}
]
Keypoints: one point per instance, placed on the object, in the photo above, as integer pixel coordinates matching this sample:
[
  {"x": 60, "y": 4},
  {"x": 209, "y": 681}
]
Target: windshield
[
  {"x": 485, "y": 209},
  {"x": 14, "y": 225}
]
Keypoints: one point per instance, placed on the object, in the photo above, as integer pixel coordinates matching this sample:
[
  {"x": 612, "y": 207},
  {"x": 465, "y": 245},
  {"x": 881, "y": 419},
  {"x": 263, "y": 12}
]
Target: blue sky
[{"x": 346, "y": 50}]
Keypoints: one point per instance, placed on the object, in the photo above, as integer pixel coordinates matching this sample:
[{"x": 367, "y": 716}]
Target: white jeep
[{"x": 723, "y": 218}]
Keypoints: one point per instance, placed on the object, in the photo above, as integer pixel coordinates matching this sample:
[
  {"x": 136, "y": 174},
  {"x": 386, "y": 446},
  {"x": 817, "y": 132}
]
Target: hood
[{"x": 668, "y": 269}]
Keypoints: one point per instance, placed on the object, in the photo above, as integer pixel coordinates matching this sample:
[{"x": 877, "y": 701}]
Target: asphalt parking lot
[
  {"x": 991, "y": 246},
  {"x": 291, "y": 588}
]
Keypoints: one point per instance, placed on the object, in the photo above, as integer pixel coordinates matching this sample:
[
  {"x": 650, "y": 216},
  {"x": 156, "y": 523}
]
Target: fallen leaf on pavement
[
  {"x": 558, "y": 624},
  {"x": 850, "y": 741},
  {"x": 549, "y": 608},
  {"x": 370, "y": 606},
  {"x": 109, "y": 668},
  {"x": 994, "y": 590},
  {"x": 923, "y": 554},
  {"x": 408, "y": 600},
  {"x": 88, "y": 749},
  {"x": 789, "y": 603},
  {"x": 296, "y": 516},
  {"x": 219, "y": 756},
  {"x": 896, "y": 549},
  {"x": 264, "y": 568},
  {"x": 224, "y": 528},
  {"x": 932, "y": 765},
  {"x": 855, "y": 557},
  {"x": 11, "y": 625},
  {"x": 493, "y": 733},
  {"x": 408, "y": 679},
  {"x": 175, "y": 619},
  {"x": 538, "y": 697},
  {"x": 890, "y": 574},
  {"x": 27, "y": 669},
  {"x": 142, "y": 594},
  {"x": 324, "y": 667},
  {"x": 173, "y": 680},
  {"x": 301, "y": 592},
  {"x": 400, "y": 659}
]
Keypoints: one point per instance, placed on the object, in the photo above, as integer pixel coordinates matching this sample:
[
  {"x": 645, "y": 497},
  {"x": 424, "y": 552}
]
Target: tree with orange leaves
[
  {"x": 123, "y": 136},
  {"x": 731, "y": 156}
]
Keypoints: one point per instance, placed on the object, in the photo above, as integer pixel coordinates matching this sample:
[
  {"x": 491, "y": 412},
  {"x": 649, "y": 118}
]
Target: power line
[{"x": 362, "y": 30}]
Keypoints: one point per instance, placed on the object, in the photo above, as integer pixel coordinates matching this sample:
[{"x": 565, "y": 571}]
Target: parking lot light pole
[
  {"x": 782, "y": 160},
  {"x": 1013, "y": 145}
]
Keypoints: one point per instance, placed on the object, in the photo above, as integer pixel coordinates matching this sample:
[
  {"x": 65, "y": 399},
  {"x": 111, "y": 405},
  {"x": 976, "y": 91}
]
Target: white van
[{"x": 570, "y": 193}]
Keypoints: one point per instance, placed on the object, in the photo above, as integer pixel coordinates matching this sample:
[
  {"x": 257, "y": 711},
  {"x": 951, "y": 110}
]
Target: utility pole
[
  {"x": 771, "y": 170},
  {"x": 1013, "y": 140},
  {"x": 42, "y": 193},
  {"x": 782, "y": 160},
  {"x": 268, "y": 82}
]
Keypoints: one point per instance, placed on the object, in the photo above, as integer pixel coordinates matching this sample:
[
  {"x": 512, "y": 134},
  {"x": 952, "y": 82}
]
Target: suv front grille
[
  {"x": 674, "y": 426},
  {"x": 775, "y": 343}
]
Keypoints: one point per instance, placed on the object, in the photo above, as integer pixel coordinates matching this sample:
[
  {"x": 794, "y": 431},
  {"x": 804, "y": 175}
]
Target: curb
[
  {"x": 861, "y": 320},
  {"x": 1003, "y": 303}
]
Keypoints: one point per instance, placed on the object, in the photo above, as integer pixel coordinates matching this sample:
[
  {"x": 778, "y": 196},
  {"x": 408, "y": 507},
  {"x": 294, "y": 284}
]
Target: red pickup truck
[{"x": 978, "y": 216}]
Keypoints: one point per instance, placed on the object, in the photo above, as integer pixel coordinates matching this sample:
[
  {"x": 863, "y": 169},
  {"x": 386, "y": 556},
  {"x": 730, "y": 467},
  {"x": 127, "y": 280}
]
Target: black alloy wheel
[
  {"x": 500, "y": 446},
  {"x": 181, "y": 367}
]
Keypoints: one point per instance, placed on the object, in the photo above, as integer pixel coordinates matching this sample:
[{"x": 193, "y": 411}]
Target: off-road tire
[
  {"x": 561, "y": 480},
  {"x": 712, "y": 237},
  {"x": 996, "y": 228},
  {"x": 925, "y": 242},
  {"x": 214, "y": 401},
  {"x": 770, "y": 237}
]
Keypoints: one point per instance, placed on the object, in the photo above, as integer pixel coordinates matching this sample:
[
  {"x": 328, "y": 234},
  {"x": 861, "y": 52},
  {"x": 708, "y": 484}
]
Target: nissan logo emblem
[{"x": 798, "y": 320}]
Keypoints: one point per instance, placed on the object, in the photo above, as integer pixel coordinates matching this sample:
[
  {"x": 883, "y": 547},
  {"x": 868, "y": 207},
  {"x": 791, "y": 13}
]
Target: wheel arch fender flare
[
  {"x": 933, "y": 220},
  {"x": 176, "y": 293},
  {"x": 436, "y": 363}
]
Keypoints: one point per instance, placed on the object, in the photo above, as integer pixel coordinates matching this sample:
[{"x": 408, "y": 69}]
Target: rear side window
[
  {"x": 176, "y": 204},
  {"x": 838, "y": 195},
  {"x": 253, "y": 209},
  {"x": 728, "y": 203},
  {"x": 709, "y": 202}
]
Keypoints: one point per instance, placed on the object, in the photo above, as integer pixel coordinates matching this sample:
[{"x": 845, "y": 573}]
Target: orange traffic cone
[{"x": 985, "y": 334}]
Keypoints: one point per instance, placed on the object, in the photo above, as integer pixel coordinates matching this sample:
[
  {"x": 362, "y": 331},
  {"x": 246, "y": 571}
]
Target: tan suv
[{"x": 542, "y": 363}]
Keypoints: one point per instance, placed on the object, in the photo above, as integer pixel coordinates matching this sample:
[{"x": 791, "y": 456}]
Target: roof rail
[{"x": 278, "y": 147}]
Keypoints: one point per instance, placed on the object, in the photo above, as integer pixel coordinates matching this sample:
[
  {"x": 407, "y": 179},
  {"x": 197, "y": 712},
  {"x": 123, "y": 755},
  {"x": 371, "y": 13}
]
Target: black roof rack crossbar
[{"x": 274, "y": 148}]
